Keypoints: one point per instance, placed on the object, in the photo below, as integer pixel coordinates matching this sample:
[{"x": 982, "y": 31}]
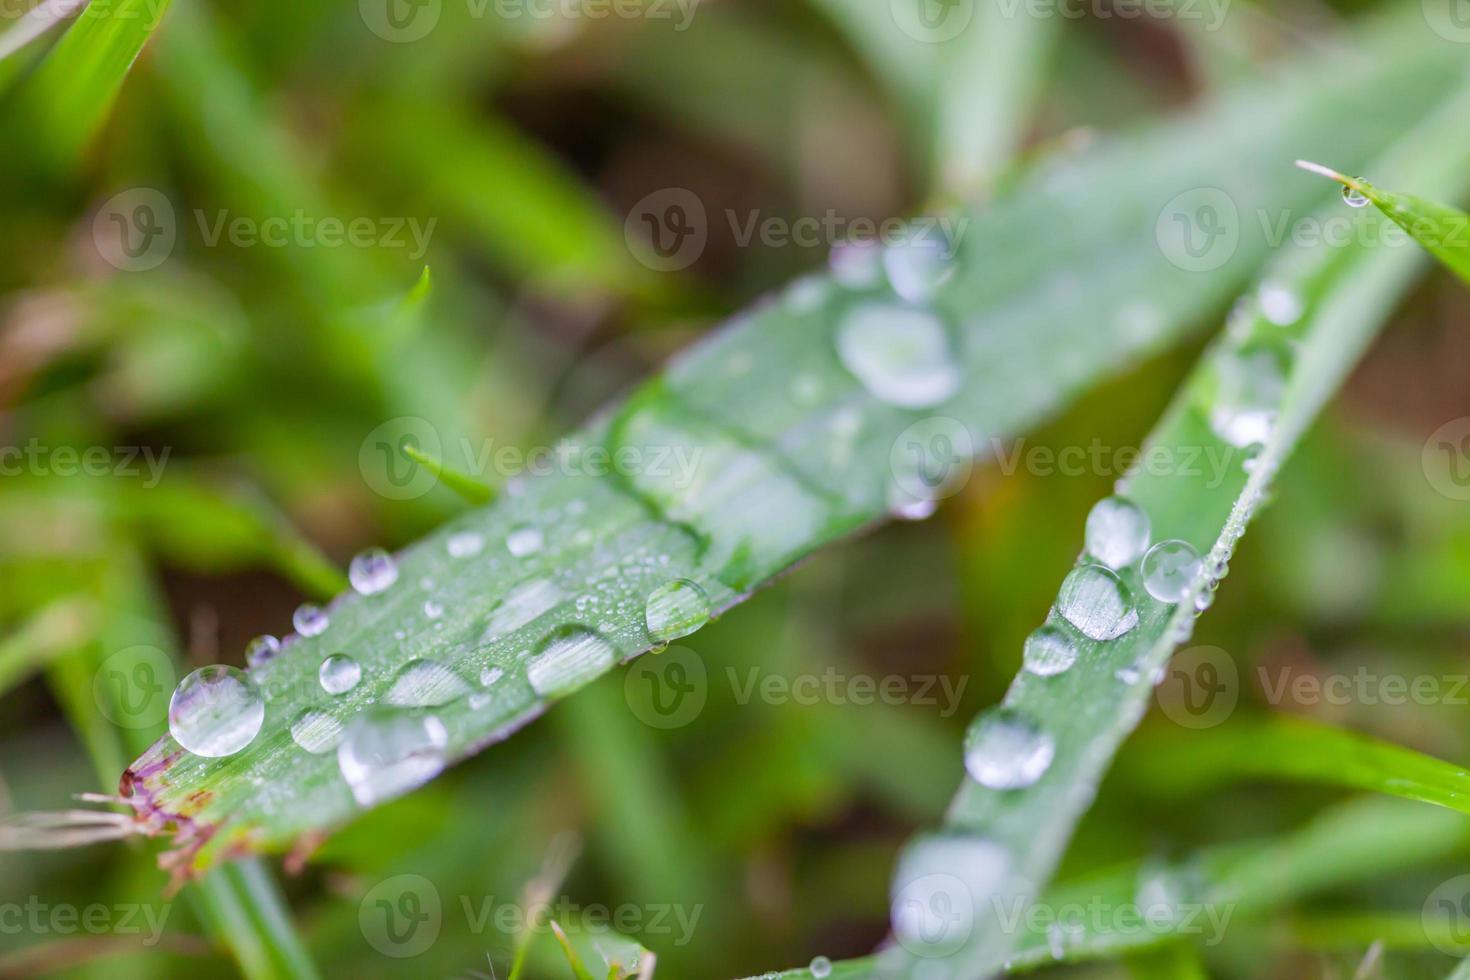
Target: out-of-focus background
[{"x": 197, "y": 345}]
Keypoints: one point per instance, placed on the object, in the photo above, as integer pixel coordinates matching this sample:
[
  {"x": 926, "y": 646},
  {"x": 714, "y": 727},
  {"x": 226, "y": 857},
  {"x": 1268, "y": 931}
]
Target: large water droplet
[
  {"x": 372, "y": 571},
  {"x": 1049, "y": 651},
  {"x": 856, "y": 264},
  {"x": 943, "y": 885},
  {"x": 215, "y": 711},
  {"x": 525, "y": 602},
  {"x": 1251, "y": 382},
  {"x": 465, "y": 544},
  {"x": 1095, "y": 601},
  {"x": 385, "y": 753},
  {"x": 1005, "y": 751},
  {"x": 490, "y": 675},
  {"x": 339, "y": 674},
  {"x": 1169, "y": 569},
  {"x": 918, "y": 266},
  {"x": 676, "y": 609},
  {"x": 316, "y": 731},
  {"x": 901, "y": 355},
  {"x": 1117, "y": 532},
  {"x": 569, "y": 658},
  {"x": 820, "y": 967},
  {"x": 524, "y": 540},
  {"x": 1354, "y": 197},
  {"x": 425, "y": 683},
  {"x": 261, "y": 650},
  {"x": 310, "y": 620}
]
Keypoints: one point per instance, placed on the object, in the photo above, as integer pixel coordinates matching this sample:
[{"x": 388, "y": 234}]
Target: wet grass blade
[
  {"x": 762, "y": 444},
  {"x": 1256, "y": 391},
  {"x": 1443, "y": 230}
]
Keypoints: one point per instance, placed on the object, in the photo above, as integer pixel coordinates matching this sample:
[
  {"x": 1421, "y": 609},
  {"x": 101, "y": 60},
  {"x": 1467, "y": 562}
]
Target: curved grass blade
[
  {"x": 1443, "y": 230},
  {"x": 33, "y": 24},
  {"x": 758, "y": 446},
  {"x": 1247, "y": 404}
]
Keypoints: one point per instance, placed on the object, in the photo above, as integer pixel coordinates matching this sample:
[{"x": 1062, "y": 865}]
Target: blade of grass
[
  {"x": 471, "y": 489},
  {"x": 731, "y": 480},
  {"x": 1013, "y": 838},
  {"x": 33, "y": 24},
  {"x": 1443, "y": 230}
]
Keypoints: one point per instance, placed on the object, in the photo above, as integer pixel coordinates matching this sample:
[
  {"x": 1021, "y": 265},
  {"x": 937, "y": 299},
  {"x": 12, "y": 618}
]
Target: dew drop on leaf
[
  {"x": 676, "y": 609},
  {"x": 568, "y": 659},
  {"x": 372, "y": 571},
  {"x": 919, "y": 265},
  {"x": 465, "y": 544},
  {"x": 1169, "y": 569},
  {"x": 215, "y": 711},
  {"x": 261, "y": 650},
  {"x": 524, "y": 540},
  {"x": 820, "y": 967},
  {"x": 1354, "y": 197},
  {"x": 1251, "y": 382},
  {"x": 1117, "y": 532},
  {"x": 339, "y": 674},
  {"x": 1095, "y": 600},
  {"x": 900, "y": 354},
  {"x": 316, "y": 731},
  {"x": 856, "y": 264},
  {"x": 310, "y": 620},
  {"x": 1280, "y": 303},
  {"x": 425, "y": 683},
  {"x": 385, "y": 753},
  {"x": 1006, "y": 751},
  {"x": 1049, "y": 651}
]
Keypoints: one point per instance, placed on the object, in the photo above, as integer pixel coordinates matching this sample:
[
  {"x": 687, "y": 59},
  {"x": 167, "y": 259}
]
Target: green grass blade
[
  {"x": 1443, "y": 230},
  {"x": 1258, "y": 389},
  {"x": 1174, "y": 961},
  {"x": 715, "y": 474},
  {"x": 245, "y": 910},
  {"x": 471, "y": 489},
  {"x": 30, "y": 26}
]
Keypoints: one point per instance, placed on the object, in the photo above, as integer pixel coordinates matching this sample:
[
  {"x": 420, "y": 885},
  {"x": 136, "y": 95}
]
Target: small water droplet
[
  {"x": 820, "y": 967},
  {"x": 1280, "y": 303},
  {"x": 904, "y": 506},
  {"x": 339, "y": 674},
  {"x": 568, "y": 659},
  {"x": 1354, "y": 197},
  {"x": 261, "y": 650},
  {"x": 1128, "y": 675},
  {"x": 856, "y": 264},
  {"x": 806, "y": 295},
  {"x": 1048, "y": 652},
  {"x": 385, "y": 753},
  {"x": 919, "y": 265},
  {"x": 490, "y": 675},
  {"x": 465, "y": 544},
  {"x": 1169, "y": 569},
  {"x": 1005, "y": 751},
  {"x": 676, "y": 609},
  {"x": 425, "y": 683},
  {"x": 1250, "y": 386},
  {"x": 900, "y": 354},
  {"x": 432, "y": 609},
  {"x": 1252, "y": 457},
  {"x": 372, "y": 571},
  {"x": 310, "y": 620},
  {"x": 1096, "y": 601},
  {"x": 316, "y": 731},
  {"x": 215, "y": 711},
  {"x": 1117, "y": 532},
  {"x": 524, "y": 540}
]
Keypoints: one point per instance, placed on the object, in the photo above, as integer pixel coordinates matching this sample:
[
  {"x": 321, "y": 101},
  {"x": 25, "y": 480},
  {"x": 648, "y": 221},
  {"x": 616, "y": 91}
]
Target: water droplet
[
  {"x": 1094, "y": 600},
  {"x": 385, "y": 753},
  {"x": 215, "y": 711},
  {"x": 1117, "y": 532},
  {"x": 432, "y": 609},
  {"x": 316, "y": 731},
  {"x": 310, "y": 620},
  {"x": 339, "y": 674},
  {"x": 1005, "y": 751},
  {"x": 524, "y": 540},
  {"x": 490, "y": 675},
  {"x": 261, "y": 650},
  {"x": 1251, "y": 382},
  {"x": 904, "y": 506},
  {"x": 425, "y": 683},
  {"x": 942, "y": 886},
  {"x": 820, "y": 967},
  {"x": 919, "y": 265},
  {"x": 372, "y": 571},
  {"x": 522, "y": 604},
  {"x": 1128, "y": 675},
  {"x": 1252, "y": 457},
  {"x": 1169, "y": 569},
  {"x": 675, "y": 609},
  {"x": 568, "y": 659},
  {"x": 806, "y": 295},
  {"x": 901, "y": 355},
  {"x": 1280, "y": 303},
  {"x": 465, "y": 544},
  {"x": 856, "y": 264},
  {"x": 1049, "y": 652},
  {"x": 1354, "y": 197}
]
